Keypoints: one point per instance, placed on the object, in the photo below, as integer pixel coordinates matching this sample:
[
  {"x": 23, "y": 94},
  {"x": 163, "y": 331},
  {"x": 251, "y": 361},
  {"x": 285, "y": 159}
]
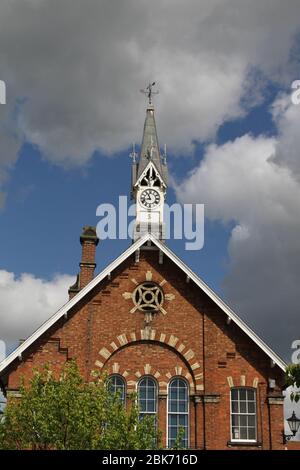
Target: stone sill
[{"x": 243, "y": 444}]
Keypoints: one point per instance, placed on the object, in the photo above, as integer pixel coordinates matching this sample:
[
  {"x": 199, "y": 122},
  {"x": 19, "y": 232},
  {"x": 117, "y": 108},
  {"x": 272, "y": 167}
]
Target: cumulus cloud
[
  {"x": 77, "y": 73},
  {"x": 286, "y": 116},
  {"x": 26, "y": 302},
  {"x": 240, "y": 182}
]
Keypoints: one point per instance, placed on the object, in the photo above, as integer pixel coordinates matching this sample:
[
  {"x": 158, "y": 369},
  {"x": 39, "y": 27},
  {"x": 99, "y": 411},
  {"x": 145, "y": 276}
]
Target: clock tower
[{"x": 149, "y": 179}]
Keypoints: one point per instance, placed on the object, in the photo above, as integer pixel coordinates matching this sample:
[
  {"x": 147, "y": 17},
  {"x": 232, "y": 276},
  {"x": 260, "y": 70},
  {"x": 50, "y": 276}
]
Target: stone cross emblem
[{"x": 148, "y": 297}]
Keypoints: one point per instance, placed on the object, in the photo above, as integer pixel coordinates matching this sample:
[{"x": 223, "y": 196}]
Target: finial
[
  {"x": 149, "y": 92},
  {"x": 133, "y": 154}
]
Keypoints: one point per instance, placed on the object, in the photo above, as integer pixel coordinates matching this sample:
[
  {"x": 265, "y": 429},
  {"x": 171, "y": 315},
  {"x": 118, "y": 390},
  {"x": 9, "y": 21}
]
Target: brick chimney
[{"x": 89, "y": 241}]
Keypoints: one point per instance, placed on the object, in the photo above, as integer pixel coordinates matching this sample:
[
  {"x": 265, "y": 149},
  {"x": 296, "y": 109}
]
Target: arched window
[
  {"x": 178, "y": 412},
  {"x": 243, "y": 414},
  {"x": 116, "y": 385},
  {"x": 147, "y": 396}
]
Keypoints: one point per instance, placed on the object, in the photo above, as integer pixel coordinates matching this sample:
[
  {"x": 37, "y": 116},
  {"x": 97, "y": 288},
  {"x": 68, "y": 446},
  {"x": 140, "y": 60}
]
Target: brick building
[{"x": 154, "y": 326}]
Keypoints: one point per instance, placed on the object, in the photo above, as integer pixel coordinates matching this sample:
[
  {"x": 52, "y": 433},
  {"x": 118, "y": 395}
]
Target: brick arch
[
  {"x": 163, "y": 380},
  {"x": 150, "y": 371},
  {"x": 242, "y": 381},
  {"x": 195, "y": 377},
  {"x": 178, "y": 372},
  {"x": 115, "y": 368}
]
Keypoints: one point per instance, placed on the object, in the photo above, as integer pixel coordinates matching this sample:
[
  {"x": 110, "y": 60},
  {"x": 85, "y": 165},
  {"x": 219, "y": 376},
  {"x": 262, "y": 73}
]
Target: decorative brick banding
[{"x": 195, "y": 378}]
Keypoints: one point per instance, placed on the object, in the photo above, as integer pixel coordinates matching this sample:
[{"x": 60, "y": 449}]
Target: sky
[{"x": 224, "y": 70}]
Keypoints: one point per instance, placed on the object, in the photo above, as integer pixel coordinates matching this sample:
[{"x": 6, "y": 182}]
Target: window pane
[
  {"x": 243, "y": 420},
  {"x": 251, "y": 421},
  {"x": 182, "y": 420},
  {"x": 243, "y": 433},
  {"x": 251, "y": 407},
  {"x": 235, "y": 407},
  {"x": 151, "y": 406},
  {"x": 173, "y": 420},
  {"x": 235, "y": 420},
  {"x": 243, "y": 407},
  {"x": 173, "y": 407},
  {"x": 143, "y": 405},
  {"x": 182, "y": 406},
  {"x": 235, "y": 433}
]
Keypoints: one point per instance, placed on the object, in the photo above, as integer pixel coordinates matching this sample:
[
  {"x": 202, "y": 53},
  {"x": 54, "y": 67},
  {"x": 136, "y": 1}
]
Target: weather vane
[{"x": 149, "y": 92}]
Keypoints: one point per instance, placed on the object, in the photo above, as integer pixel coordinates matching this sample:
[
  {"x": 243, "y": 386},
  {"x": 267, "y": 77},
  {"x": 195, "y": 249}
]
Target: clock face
[{"x": 150, "y": 198}]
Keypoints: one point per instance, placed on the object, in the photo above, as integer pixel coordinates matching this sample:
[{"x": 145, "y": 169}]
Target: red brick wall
[
  {"x": 192, "y": 340},
  {"x": 293, "y": 445}
]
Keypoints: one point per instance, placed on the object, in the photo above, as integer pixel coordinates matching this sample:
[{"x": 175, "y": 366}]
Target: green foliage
[
  {"x": 179, "y": 439},
  {"x": 67, "y": 413},
  {"x": 293, "y": 379}
]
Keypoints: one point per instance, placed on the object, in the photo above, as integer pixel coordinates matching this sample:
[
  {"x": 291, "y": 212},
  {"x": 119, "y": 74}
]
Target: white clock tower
[{"x": 149, "y": 179}]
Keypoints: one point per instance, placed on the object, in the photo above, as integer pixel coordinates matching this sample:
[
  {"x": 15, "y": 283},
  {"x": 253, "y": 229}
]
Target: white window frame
[
  {"x": 187, "y": 413},
  {"x": 243, "y": 414}
]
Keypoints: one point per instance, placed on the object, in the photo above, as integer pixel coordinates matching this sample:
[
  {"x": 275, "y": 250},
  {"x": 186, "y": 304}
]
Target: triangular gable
[
  {"x": 107, "y": 271},
  {"x": 143, "y": 174}
]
